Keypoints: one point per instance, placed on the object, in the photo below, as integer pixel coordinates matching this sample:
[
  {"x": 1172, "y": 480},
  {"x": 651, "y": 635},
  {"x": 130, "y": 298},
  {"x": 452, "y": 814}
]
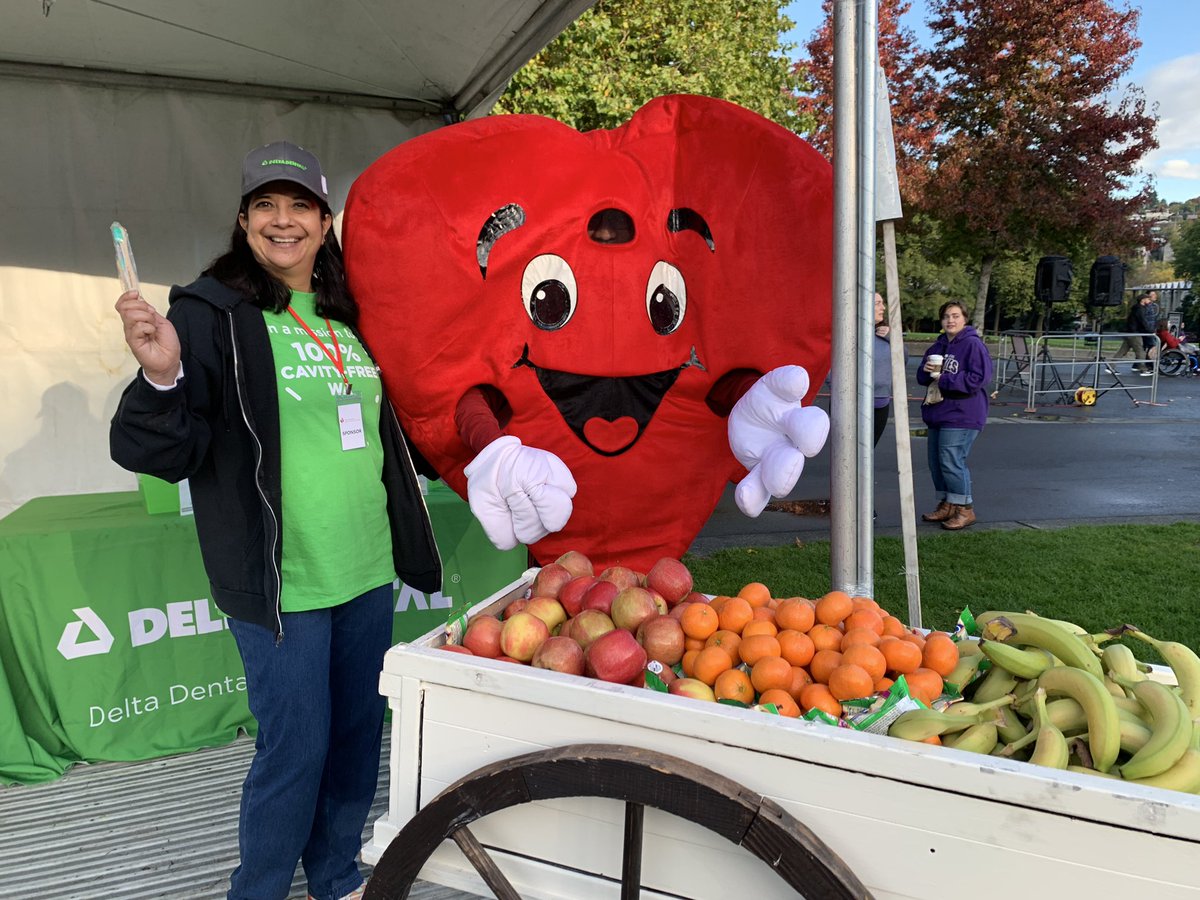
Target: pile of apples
[
  {"x": 607, "y": 626},
  {"x": 789, "y": 655}
]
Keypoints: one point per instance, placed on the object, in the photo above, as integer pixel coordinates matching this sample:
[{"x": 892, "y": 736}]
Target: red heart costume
[{"x": 601, "y": 286}]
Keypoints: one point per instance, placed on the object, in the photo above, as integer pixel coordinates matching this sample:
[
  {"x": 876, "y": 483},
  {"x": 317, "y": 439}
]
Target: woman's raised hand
[{"x": 151, "y": 337}]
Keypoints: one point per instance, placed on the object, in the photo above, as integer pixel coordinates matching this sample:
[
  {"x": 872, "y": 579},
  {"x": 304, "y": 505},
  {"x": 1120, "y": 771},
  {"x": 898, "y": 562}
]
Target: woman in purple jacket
[{"x": 955, "y": 410}]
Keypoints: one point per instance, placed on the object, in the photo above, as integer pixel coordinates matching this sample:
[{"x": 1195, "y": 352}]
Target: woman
[
  {"x": 955, "y": 410},
  {"x": 883, "y": 368},
  {"x": 257, "y": 388}
]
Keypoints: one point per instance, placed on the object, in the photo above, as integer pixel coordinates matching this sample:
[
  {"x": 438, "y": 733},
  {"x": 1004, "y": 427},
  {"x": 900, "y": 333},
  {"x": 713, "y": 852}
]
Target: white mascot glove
[
  {"x": 519, "y": 494},
  {"x": 770, "y": 433}
]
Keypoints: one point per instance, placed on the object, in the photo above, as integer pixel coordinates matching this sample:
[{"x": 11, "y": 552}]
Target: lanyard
[{"x": 336, "y": 360}]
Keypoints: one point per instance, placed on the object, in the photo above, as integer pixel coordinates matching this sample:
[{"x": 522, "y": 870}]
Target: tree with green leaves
[
  {"x": 621, "y": 54},
  {"x": 1037, "y": 152},
  {"x": 1187, "y": 252}
]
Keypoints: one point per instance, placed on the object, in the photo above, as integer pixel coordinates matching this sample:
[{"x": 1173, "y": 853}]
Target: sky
[{"x": 1167, "y": 69}]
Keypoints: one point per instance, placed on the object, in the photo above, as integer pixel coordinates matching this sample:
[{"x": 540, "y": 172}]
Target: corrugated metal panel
[{"x": 137, "y": 831}]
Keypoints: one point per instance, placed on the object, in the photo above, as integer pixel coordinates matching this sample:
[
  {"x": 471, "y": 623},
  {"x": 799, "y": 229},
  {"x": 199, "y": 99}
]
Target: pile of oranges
[{"x": 802, "y": 654}]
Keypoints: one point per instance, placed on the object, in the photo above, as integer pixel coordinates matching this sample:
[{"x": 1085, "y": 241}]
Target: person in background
[
  {"x": 1140, "y": 325},
  {"x": 257, "y": 388},
  {"x": 883, "y": 367},
  {"x": 955, "y": 411}
]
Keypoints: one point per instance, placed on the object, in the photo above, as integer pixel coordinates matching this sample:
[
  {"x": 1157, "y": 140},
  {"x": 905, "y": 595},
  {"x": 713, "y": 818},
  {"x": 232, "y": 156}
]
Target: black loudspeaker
[
  {"x": 1106, "y": 283},
  {"x": 1052, "y": 282}
]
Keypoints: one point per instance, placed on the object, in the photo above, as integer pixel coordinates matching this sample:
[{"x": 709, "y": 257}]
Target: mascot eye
[
  {"x": 548, "y": 291},
  {"x": 666, "y": 297}
]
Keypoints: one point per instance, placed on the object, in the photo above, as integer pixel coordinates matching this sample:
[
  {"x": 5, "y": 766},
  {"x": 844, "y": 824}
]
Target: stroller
[{"x": 1181, "y": 360}]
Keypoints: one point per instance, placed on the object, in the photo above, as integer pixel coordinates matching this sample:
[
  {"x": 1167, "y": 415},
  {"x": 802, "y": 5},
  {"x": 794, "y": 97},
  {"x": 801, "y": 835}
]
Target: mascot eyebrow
[
  {"x": 684, "y": 219},
  {"x": 501, "y": 222}
]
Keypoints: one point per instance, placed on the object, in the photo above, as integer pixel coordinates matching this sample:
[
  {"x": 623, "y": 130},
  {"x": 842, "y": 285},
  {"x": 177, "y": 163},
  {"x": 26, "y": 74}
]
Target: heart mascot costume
[{"x": 588, "y": 335}]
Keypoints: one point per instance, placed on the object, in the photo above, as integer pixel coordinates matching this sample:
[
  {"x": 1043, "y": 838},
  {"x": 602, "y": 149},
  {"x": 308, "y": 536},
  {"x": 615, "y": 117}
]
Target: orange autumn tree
[
  {"x": 915, "y": 94},
  {"x": 1039, "y": 141}
]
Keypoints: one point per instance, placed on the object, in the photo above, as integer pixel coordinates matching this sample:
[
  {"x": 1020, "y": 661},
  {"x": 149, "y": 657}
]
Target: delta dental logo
[
  {"x": 284, "y": 162},
  {"x": 185, "y": 618},
  {"x": 71, "y": 647},
  {"x": 190, "y": 618}
]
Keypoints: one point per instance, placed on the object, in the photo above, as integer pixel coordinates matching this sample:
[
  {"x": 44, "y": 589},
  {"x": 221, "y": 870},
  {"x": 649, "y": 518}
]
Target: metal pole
[
  {"x": 868, "y": 54},
  {"x": 843, "y": 554}
]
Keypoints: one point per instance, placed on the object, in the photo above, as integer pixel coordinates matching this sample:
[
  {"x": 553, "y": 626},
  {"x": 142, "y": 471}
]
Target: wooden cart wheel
[{"x": 640, "y": 778}]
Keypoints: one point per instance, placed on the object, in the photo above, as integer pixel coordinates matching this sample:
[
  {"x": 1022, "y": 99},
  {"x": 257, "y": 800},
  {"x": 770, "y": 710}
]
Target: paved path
[{"x": 1061, "y": 465}]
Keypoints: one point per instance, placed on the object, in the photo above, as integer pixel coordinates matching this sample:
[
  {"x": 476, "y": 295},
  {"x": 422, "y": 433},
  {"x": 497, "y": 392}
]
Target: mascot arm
[
  {"x": 771, "y": 433},
  {"x": 519, "y": 494}
]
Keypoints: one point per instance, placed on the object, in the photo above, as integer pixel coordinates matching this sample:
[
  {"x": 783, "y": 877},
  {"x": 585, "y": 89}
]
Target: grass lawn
[{"x": 1096, "y": 576}]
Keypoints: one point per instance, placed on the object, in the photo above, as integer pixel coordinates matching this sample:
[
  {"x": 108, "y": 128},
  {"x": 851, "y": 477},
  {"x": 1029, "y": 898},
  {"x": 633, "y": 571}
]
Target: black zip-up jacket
[{"x": 219, "y": 427}]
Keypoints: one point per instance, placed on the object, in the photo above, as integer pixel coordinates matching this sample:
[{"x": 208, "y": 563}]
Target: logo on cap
[{"x": 284, "y": 162}]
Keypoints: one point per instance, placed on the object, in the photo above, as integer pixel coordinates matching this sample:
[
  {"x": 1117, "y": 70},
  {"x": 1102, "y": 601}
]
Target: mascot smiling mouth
[{"x": 608, "y": 414}]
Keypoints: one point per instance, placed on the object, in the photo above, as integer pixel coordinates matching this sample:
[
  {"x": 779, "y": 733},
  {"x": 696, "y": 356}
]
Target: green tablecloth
[{"x": 110, "y": 648}]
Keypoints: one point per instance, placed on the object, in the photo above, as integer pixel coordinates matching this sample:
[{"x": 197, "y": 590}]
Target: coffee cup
[{"x": 935, "y": 361}]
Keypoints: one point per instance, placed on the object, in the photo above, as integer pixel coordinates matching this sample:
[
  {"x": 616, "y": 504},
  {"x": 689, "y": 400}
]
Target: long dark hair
[{"x": 237, "y": 268}]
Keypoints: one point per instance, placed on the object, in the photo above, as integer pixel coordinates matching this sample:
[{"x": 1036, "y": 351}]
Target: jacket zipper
[{"x": 258, "y": 456}]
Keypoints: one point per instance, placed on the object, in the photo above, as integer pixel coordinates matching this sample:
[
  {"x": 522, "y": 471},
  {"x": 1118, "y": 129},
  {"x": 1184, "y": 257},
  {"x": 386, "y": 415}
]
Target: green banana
[
  {"x": 1134, "y": 734},
  {"x": 922, "y": 724},
  {"x": 965, "y": 708},
  {"x": 968, "y": 648},
  {"x": 994, "y": 685},
  {"x": 1010, "y": 727},
  {"x": 979, "y": 738},
  {"x": 1021, "y": 662},
  {"x": 1131, "y": 705},
  {"x": 1171, "y": 733},
  {"x": 1104, "y": 727},
  {"x": 1113, "y": 688},
  {"x": 1183, "y": 776},
  {"x": 966, "y": 670},
  {"x": 1084, "y": 770},
  {"x": 1118, "y": 659},
  {"x": 1050, "y": 748},
  {"x": 1184, "y": 663},
  {"x": 1028, "y": 630}
]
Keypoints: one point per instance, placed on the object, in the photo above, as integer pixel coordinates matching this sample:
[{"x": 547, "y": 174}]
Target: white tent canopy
[{"x": 140, "y": 111}]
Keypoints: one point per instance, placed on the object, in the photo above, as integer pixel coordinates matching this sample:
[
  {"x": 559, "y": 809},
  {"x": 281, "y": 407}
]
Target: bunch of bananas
[{"x": 1060, "y": 697}]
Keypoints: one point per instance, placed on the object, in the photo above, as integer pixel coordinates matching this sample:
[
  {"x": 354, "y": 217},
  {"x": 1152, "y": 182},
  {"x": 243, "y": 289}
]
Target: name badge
[{"x": 350, "y": 422}]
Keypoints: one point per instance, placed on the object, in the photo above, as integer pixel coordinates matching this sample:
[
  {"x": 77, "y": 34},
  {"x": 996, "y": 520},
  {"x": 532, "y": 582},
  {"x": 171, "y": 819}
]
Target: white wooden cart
[{"x": 760, "y": 806}]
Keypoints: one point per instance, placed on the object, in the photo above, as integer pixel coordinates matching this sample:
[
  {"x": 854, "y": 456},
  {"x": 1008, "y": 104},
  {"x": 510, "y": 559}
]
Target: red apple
[
  {"x": 548, "y": 610},
  {"x": 631, "y": 607},
  {"x": 670, "y": 578},
  {"x": 509, "y": 659},
  {"x": 692, "y": 687},
  {"x": 659, "y": 603},
  {"x": 559, "y": 654},
  {"x": 521, "y": 635},
  {"x": 456, "y": 648},
  {"x": 515, "y": 607},
  {"x": 615, "y": 656},
  {"x": 576, "y": 563},
  {"x": 571, "y": 595},
  {"x": 589, "y": 625},
  {"x": 665, "y": 673},
  {"x": 621, "y": 576},
  {"x": 549, "y": 581},
  {"x": 483, "y": 636},
  {"x": 600, "y": 596},
  {"x": 663, "y": 639},
  {"x": 677, "y": 610},
  {"x": 695, "y": 597}
]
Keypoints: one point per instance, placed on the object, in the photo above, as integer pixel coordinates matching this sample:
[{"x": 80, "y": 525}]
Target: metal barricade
[{"x": 1061, "y": 362}]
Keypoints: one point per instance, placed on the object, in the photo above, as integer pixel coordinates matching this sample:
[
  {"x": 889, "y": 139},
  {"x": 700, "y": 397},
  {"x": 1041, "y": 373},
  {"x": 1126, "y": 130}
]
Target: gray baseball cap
[{"x": 283, "y": 161}]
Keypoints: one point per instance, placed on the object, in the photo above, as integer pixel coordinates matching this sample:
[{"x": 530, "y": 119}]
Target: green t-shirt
[{"x": 336, "y": 539}]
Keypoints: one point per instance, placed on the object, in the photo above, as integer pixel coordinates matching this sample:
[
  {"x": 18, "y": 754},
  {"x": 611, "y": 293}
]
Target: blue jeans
[
  {"x": 310, "y": 787},
  {"x": 948, "y": 449}
]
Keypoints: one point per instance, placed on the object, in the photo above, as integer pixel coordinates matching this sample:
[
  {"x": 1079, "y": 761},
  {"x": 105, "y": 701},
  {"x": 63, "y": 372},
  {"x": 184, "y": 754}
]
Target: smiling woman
[{"x": 245, "y": 390}]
